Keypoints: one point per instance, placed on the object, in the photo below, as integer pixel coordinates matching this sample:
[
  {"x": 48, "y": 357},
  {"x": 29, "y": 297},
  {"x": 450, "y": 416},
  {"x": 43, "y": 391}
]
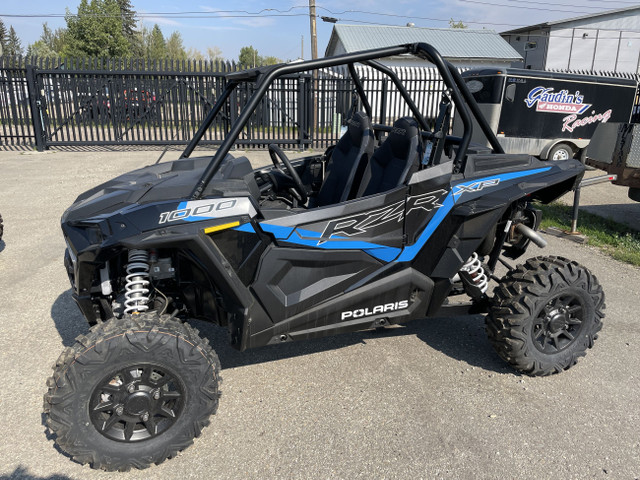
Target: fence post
[
  {"x": 383, "y": 102},
  {"x": 35, "y": 104},
  {"x": 301, "y": 116}
]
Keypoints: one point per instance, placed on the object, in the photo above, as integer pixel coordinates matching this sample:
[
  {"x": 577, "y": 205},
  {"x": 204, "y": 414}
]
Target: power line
[
  {"x": 275, "y": 12},
  {"x": 526, "y": 8},
  {"x": 546, "y": 3}
]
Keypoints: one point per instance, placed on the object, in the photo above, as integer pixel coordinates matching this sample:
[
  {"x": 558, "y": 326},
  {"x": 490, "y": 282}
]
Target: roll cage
[{"x": 264, "y": 77}]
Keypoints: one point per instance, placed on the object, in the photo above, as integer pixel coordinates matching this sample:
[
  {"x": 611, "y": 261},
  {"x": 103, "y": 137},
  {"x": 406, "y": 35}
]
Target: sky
[{"x": 278, "y": 28}]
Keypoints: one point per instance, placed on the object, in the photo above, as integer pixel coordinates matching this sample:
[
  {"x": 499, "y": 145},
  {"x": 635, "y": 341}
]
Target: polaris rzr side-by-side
[{"x": 381, "y": 229}]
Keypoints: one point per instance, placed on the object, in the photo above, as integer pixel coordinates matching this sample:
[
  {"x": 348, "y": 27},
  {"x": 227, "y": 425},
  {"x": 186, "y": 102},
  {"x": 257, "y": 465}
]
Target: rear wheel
[
  {"x": 133, "y": 392},
  {"x": 545, "y": 314}
]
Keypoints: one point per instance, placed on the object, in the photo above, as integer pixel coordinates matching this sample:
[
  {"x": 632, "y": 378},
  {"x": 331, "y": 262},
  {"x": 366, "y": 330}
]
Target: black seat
[
  {"x": 353, "y": 150},
  {"x": 395, "y": 160}
]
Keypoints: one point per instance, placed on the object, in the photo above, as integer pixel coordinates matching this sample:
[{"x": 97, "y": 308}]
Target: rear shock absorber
[
  {"x": 473, "y": 275},
  {"x": 136, "y": 288}
]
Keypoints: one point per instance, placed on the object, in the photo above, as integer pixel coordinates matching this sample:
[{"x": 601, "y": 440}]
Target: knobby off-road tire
[
  {"x": 132, "y": 392},
  {"x": 545, "y": 314}
]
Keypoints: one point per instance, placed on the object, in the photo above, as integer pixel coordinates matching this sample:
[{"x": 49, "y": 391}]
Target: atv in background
[{"x": 381, "y": 229}]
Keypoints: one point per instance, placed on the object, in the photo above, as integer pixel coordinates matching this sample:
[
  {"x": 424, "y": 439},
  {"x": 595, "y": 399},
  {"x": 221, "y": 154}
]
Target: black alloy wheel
[{"x": 137, "y": 403}]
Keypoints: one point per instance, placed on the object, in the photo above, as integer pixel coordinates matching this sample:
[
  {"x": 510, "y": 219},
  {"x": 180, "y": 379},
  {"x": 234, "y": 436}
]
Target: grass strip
[{"x": 613, "y": 238}]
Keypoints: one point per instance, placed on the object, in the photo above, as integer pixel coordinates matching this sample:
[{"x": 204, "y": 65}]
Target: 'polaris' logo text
[{"x": 367, "y": 312}]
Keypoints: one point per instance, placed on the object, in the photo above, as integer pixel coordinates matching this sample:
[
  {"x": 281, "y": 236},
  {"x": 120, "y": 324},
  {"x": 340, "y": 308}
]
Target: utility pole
[
  {"x": 301, "y": 47},
  {"x": 314, "y": 55},
  {"x": 314, "y": 35}
]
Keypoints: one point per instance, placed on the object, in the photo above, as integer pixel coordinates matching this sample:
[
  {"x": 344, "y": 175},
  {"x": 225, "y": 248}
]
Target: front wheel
[
  {"x": 132, "y": 392},
  {"x": 545, "y": 314}
]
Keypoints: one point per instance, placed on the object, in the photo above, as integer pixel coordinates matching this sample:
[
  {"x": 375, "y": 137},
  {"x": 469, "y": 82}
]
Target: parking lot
[{"x": 427, "y": 400}]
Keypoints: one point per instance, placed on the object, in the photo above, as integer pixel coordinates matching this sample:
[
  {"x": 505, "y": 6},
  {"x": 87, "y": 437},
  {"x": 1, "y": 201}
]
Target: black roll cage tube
[{"x": 266, "y": 76}]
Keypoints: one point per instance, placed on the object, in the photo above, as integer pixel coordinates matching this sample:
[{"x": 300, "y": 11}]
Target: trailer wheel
[
  {"x": 545, "y": 314},
  {"x": 561, "y": 151}
]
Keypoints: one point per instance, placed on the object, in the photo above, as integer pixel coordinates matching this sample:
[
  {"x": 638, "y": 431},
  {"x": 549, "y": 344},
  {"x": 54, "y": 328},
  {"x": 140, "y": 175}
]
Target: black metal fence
[
  {"x": 98, "y": 102},
  {"x": 49, "y": 103}
]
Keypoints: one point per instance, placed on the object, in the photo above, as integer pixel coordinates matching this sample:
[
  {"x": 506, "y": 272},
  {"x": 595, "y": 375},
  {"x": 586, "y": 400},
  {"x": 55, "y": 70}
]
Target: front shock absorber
[
  {"x": 137, "y": 282},
  {"x": 473, "y": 275}
]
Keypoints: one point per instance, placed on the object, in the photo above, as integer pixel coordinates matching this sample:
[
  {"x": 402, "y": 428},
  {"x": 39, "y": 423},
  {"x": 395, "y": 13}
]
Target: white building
[{"x": 607, "y": 41}]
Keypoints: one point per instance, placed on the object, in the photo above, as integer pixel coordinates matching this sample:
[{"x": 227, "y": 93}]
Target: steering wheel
[{"x": 277, "y": 156}]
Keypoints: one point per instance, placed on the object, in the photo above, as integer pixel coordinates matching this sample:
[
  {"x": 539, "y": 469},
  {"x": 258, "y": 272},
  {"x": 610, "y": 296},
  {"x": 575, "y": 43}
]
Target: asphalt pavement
[{"x": 427, "y": 400}]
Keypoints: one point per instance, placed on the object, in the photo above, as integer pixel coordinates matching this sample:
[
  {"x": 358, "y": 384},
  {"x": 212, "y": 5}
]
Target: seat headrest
[
  {"x": 357, "y": 125},
  {"x": 399, "y": 139}
]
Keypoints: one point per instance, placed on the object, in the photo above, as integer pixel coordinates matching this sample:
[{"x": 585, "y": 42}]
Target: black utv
[{"x": 380, "y": 229}]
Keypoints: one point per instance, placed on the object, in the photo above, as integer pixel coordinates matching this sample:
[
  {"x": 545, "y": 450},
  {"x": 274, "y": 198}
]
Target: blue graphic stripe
[
  {"x": 309, "y": 238},
  {"x": 410, "y": 252},
  {"x": 246, "y": 227},
  {"x": 281, "y": 233}
]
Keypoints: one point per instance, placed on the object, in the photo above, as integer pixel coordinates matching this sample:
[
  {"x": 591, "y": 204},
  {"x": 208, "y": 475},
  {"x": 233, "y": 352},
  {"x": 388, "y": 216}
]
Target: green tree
[
  {"x": 458, "y": 24},
  {"x": 249, "y": 57},
  {"x": 13, "y": 45},
  {"x": 50, "y": 44},
  {"x": 128, "y": 15},
  {"x": 40, "y": 49},
  {"x": 141, "y": 44},
  {"x": 3, "y": 37},
  {"x": 215, "y": 54},
  {"x": 96, "y": 30},
  {"x": 157, "y": 46},
  {"x": 269, "y": 60},
  {"x": 175, "y": 48}
]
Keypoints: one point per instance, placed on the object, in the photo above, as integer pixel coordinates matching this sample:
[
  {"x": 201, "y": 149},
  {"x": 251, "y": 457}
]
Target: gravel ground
[{"x": 425, "y": 400}]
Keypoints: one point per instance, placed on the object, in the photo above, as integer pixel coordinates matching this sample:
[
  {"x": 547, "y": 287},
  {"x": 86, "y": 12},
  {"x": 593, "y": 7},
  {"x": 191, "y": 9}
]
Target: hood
[{"x": 160, "y": 183}]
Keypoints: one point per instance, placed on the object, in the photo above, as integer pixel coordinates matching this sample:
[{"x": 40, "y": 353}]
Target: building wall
[
  {"x": 593, "y": 49},
  {"x": 605, "y": 43},
  {"x": 532, "y": 45}
]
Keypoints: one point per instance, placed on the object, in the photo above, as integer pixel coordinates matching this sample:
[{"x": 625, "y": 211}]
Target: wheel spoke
[
  {"x": 162, "y": 381},
  {"x": 151, "y": 426},
  {"x": 166, "y": 412},
  {"x": 171, "y": 395},
  {"x": 128, "y": 430},
  {"x": 556, "y": 342},
  {"x": 544, "y": 342},
  {"x": 110, "y": 422},
  {"x": 574, "y": 309},
  {"x": 108, "y": 388},
  {"x": 127, "y": 377},
  {"x": 574, "y": 321},
  {"x": 146, "y": 375},
  {"x": 539, "y": 333},
  {"x": 103, "y": 406}
]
